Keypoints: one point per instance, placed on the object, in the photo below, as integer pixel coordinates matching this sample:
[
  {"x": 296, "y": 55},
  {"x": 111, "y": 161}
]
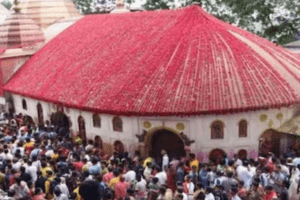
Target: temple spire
[{"x": 16, "y": 6}]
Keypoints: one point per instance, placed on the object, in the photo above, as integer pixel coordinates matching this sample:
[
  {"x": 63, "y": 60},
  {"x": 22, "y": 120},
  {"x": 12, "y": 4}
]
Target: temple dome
[
  {"x": 20, "y": 31},
  {"x": 160, "y": 63},
  {"x": 46, "y": 12}
]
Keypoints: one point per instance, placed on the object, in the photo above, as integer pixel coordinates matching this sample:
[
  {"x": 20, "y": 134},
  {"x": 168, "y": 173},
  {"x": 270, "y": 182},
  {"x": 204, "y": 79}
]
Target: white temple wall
[{"x": 195, "y": 127}]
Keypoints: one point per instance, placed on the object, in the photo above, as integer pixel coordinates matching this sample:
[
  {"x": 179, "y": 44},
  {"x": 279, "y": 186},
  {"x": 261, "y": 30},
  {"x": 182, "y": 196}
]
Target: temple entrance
[
  {"x": 277, "y": 142},
  {"x": 169, "y": 141},
  {"x": 269, "y": 141},
  {"x": 40, "y": 114},
  {"x": 119, "y": 146},
  {"x": 60, "y": 122},
  {"x": 216, "y": 156},
  {"x": 60, "y": 119},
  {"x": 242, "y": 154}
]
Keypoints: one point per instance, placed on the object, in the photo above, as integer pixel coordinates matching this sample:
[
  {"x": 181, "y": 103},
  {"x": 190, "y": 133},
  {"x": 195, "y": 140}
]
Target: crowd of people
[{"x": 44, "y": 162}]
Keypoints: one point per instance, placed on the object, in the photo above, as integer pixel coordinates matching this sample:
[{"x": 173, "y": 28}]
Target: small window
[
  {"x": 243, "y": 128},
  {"x": 96, "y": 121},
  {"x": 117, "y": 124},
  {"x": 24, "y": 104},
  {"x": 217, "y": 130}
]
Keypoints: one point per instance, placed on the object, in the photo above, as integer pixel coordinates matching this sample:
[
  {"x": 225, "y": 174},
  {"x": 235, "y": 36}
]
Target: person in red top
[
  {"x": 78, "y": 164},
  {"x": 270, "y": 193},
  {"x": 121, "y": 188},
  {"x": 171, "y": 174},
  {"x": 242, "y": 192},
  {"x": 108, "y": 176}
]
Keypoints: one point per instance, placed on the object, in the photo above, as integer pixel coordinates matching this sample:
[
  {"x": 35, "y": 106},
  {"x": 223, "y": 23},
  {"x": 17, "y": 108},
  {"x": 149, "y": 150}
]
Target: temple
[{"x": 174, "y": 79}]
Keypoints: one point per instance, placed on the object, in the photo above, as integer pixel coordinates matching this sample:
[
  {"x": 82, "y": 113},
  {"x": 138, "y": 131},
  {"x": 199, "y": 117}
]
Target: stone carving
[
  {"x": 186, "y": 139},
  {"x": 142, "y": 136}
]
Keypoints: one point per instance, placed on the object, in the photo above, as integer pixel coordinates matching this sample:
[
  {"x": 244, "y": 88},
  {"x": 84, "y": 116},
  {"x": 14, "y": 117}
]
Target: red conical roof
[{"x": 172, "y": 62}]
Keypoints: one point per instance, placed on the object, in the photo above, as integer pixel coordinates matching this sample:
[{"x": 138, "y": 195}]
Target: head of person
[
  {"x": 199, "y": 186},
  {"x": 38, "y": 191},
  {"x": 57, "y": 192},
  {"x": 90, "y": 190},
  {"x": 234, "y": 191},
  {"x": 155, "y": 180},
  {"x": 162, "y": 191},
  {"x": 163, "y": 152},
  {"x": 208, "y": 190},
  {"x": 130, "y": 192},
  {"x": 116, "y": 172},
  {"x": 180, "y": 189},
  {"x": 241, "y": 184},
  {"x": 278, "y": 169},
  {"x": 255, "y": 186},
  {"x": 122, "y": 178},
  {"x": 245, "y": 163},
  {"x": 269, "y": 189}
]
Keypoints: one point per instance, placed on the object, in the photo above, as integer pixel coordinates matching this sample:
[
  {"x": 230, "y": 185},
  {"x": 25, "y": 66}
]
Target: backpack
[{"x": 108, "y": 194}]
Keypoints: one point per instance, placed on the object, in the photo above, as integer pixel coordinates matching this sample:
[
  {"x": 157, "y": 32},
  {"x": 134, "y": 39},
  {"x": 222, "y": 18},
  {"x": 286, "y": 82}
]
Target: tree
[
  {"x": 7, "y": 4},
  {"x": 84, "y": 6},
  {"x": 158, "y": 4}
]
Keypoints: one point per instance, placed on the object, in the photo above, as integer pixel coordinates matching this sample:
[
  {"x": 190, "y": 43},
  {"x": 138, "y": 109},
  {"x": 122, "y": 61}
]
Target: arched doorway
[
  {"x": 81, "y": 127},
  {"x": 242, "y": 154},
  {"x": 60, "y": 119},
  {"x": 40, "y": 114},
  {"x": 169, "y": 141},
  {"x": 61, "y": 122},
  {"x": 119, "y": 146},
  {"x": 216, "y": 155},
  {"x": 269, "y": 141},
  {"x": 98, "y": 141}
]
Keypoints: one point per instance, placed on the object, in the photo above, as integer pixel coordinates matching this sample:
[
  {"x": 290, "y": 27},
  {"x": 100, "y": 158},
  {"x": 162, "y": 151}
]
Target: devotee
[
  {"x": 165, "y": 159},
  {"x": 62, "y": 168}
]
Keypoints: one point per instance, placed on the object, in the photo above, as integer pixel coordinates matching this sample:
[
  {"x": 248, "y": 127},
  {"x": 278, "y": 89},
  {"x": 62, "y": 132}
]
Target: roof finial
[
  {"x": 16, "y": 7},
  {"x": 197, "y": 2}
]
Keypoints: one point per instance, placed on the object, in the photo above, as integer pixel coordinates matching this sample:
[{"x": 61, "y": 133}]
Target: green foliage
[
  {"x": 7, "y": 4},
  {"x": 158, "y": 4},
  {"x": 84, "y": 6}
]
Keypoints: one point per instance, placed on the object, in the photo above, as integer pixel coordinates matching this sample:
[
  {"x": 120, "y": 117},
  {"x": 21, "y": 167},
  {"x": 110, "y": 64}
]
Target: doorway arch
[
  {"x": 81, "y": 128},
  {"x": 269, "y": 141},
  {"x": 40, "y": 114},
  {"x": 216, "y": 155},
  {"x": 167, "y": 140},
  {"x": 60, "y": 119},
  {"x": 242, "y": 154},
  {"x": 119, "y": 146}
]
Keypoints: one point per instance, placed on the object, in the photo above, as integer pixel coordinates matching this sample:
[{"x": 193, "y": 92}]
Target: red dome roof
[
  {"x": 172, "y": 62},
  {"x": 18, "y": 30}
]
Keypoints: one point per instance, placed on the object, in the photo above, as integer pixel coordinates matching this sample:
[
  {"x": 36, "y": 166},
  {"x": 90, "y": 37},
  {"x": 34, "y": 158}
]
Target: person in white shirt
[
  {"x": 191, "y": 188},
  {"x": 165, "y": 159},
  {"x": 32, "y": 171},
  {"x": 36, "y": 163},
  {"x": 148, "y": 171},
  {"x": 130, "y": 175},
  {"x": 162, "y": 177},
  {"x": 244, "y": 174},
  {"x": 62, "y": 186},
  {"x": 209, "y": 194},
  {"x": 8, "y": 155},
  {"x": 180, "y": 192},
  {"x": 234, "y": 192}
]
